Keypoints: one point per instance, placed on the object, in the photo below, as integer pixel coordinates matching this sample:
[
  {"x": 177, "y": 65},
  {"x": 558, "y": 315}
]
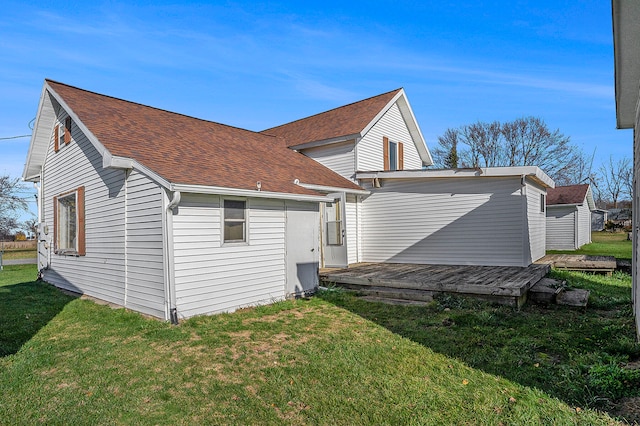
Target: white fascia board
[
  {"x": 34, "y": 138},
  {"x": 323, "y": 188},
  {"x": 219, "y": 190},
  {"x": 528, "y": 171},
  {"x": 114, "y": 162},
  {"x": 410, "y": 121},
  {"x": 590, "y": 201},
  {"x": 331, "y": 141},
  {"x": 626, "y": 27},
  {"x": 551, "y": 206}
]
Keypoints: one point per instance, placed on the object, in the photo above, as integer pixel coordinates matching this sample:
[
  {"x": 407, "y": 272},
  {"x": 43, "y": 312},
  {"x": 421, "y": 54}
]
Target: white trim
[
  {"x": 323, "y": 142},
  {"x": 220, "y": 190},
  {"x": 243, "y": 242},
  {"x": 323, "y": 188},
  {"x": 529, "y": 171}
]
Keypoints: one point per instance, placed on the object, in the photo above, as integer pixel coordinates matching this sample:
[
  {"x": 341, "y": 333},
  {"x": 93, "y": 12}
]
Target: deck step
[{"x": 391, "y": 293}]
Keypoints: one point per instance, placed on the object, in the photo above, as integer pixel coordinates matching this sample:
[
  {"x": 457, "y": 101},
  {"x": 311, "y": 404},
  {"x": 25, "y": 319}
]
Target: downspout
[
  {"x": 170, "y": 289},
  {"x": 526, "y": 243}
]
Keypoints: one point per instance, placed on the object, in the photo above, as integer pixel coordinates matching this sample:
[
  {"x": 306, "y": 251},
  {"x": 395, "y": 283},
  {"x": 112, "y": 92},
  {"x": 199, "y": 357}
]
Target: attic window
[
  {"x": 393, "y": 155},
  {"x": 56, "y": 138},
  {"x": 67, "y": 130}
]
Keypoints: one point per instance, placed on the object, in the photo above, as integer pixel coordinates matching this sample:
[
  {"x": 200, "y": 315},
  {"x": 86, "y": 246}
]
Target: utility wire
[{"x": 15, "y": 137}]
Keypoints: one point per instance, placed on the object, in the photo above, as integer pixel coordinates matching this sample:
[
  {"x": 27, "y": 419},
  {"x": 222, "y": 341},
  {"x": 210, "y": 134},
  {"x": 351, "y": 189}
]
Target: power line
[{"x": 15, "y": 137}]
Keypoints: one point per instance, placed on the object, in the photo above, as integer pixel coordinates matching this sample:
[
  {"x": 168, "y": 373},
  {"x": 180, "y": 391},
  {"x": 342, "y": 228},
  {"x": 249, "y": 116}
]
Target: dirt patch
[{"x": 629, "y": 410}]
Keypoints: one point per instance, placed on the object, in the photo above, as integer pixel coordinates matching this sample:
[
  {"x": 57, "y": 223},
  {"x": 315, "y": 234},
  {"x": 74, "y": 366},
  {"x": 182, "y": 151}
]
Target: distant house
[
  {"x": 174, "y": 216},
  {"x": 599, "y": 218},
  {"x": 569, "y": 217},
  {"x": 620, "y": 216}
]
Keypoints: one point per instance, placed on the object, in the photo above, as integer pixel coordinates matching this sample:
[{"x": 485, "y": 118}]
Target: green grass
[
  {"x": 603, "y": 244},
  {"x": 331, "y": 359}
]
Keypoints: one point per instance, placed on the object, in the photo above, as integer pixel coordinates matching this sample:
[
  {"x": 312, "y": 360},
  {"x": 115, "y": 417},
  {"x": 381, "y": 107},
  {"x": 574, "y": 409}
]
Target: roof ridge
[
  {"x": 330, "y": 110},
  {"x": 156, "y": 108}
]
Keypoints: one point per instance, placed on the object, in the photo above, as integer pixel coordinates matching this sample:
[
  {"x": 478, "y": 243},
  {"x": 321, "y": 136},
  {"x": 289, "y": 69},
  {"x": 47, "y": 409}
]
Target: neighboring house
[
  {"x": 621, "y": 217},
  {"x": 175, "y": 216},
  {"x": 626, "y": 49},
  {"x": 569, "y": 217},
  {"x": 599, "y": 218}
]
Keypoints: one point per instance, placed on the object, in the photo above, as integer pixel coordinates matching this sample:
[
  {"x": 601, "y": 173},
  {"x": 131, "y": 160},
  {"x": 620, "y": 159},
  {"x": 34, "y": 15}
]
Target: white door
[
  {"x": 334, "y": 241},
  {"x": 302, "y": 247}
]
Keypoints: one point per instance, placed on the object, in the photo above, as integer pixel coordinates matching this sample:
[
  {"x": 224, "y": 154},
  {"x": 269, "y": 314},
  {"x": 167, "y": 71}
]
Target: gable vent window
[
  {"x": 235, "y": 221},
  {"x": 56, "y": 138},
  {"x": 543, "y": 203},
  {"x": 393, "y": 155}
]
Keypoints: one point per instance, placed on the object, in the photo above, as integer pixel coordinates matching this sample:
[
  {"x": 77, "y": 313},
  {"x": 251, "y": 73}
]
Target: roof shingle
[
  {"x": 343, "y": 121},
  {"x": 571, "y": 194},
  {"x": 187, "y": 150}
]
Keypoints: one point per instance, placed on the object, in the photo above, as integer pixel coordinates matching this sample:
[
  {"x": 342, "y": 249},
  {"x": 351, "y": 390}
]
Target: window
[
  {"x": 543, "y": 203},
  {"x": 56, "y": 138},
  {"x": 68, "y": 223},
  {"x": 393, "y": 155},
  {"x": 67, "y": 130},
  {"x": 235, "y": 221}
]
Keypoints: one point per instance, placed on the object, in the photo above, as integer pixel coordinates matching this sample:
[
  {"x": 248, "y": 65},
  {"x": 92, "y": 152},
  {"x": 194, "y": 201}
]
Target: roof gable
[
  {"x": 350, "y": 122},
  {"x": 190, "y": 151},
  {"x": 571, "y": 195}
]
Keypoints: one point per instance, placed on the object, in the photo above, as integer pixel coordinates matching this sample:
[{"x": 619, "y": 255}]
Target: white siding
[
  {"x": 145, "y": 248},
  {"x": 393, "y": 126},
  {"x": 101, "y": 272},
  {"x": 536, "y": 222},
  {"x": 351, "y": 229},
  {"x": 211, "y": 277},
  {"x": 337, "y": 157},
  {"x": 584, "y": 224},
  {"x": 445, "y": 221},
  {"x": 561, "y": 224}
]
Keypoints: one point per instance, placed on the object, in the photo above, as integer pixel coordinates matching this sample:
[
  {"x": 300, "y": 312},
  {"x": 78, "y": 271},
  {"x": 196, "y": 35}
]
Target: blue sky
[{"x": 256, "y": 65}]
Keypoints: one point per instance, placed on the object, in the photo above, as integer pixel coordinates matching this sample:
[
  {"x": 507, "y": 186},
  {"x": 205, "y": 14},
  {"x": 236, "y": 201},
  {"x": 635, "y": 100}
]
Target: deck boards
[{"x": 505, "y": 281}]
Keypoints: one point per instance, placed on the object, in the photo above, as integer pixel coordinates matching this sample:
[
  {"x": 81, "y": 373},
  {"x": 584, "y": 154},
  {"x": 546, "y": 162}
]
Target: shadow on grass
[
  {"x": 25, "y": 308},
  {"x": 572, "y": 354}
]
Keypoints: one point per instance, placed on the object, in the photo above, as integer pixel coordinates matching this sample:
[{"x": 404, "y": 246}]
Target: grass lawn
[
  {"x": 603, "y": 244},
  {"x": 332, "y": 359}
]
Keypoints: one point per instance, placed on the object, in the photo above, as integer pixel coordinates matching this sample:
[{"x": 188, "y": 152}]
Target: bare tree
[
  {"x": 11, "y": 203},
  {"x": 523, "y": 142},
  {"x": 446, "y": 153},
  {"x": 612, "y": 178}
]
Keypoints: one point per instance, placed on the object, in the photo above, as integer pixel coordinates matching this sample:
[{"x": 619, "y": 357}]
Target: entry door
[
  {"x": 303, "y": 247},
  {"x": 334, "y": 242}
]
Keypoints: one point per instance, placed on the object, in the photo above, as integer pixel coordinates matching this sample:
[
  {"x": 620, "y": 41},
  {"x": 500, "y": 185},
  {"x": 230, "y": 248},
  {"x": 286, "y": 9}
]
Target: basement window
[
  {"x": 235, "y": 221},
  {"x": 68, "y": 223}
]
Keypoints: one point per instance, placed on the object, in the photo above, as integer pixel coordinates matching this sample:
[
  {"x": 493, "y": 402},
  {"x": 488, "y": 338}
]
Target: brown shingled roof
[
  {"x": 187, "y": 150},
  {"x": 343, "y": 121},
  {"x": 571, "y": 194}
]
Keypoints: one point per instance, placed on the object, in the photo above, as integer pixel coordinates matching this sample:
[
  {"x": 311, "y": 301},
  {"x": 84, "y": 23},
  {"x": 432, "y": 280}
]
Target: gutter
[
  {"x": 170, "y": 284},
  {"x": 323, "y": 188}
]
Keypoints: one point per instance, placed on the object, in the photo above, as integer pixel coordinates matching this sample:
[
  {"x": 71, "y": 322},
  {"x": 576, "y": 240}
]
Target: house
[
  {"x": 174, "y": 216},
  {"x": 620, "y": 217},
  {"x": 569, "y": 216},
  {"x": 626, "y": 33},
  {"x": 599, "y": 218}
]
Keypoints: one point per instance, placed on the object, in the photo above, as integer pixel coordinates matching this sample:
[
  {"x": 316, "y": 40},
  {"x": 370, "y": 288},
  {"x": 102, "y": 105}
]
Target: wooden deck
[
  {"x": 503, "y": 284},
  {"x": 580, "y": 262}
]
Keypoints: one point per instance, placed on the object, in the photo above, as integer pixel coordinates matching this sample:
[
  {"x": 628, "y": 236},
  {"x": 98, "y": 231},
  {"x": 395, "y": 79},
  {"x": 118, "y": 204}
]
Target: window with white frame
[
  {"x": 393, "y": 155},
  {"x": 69, "y": 223},
  {"x": 235, "y": 221}
]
